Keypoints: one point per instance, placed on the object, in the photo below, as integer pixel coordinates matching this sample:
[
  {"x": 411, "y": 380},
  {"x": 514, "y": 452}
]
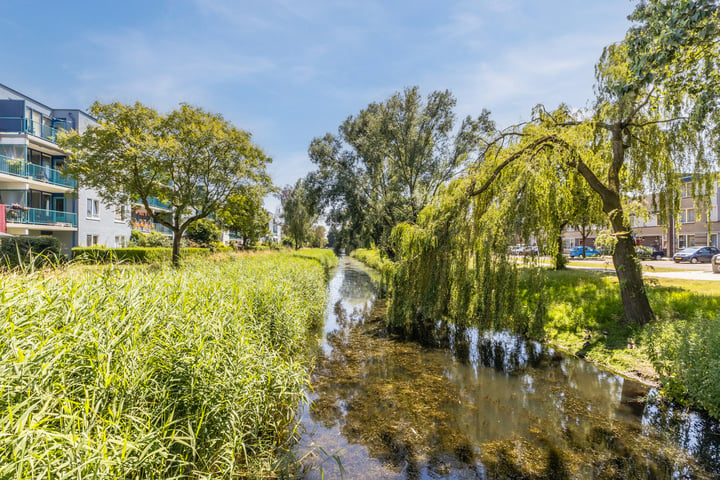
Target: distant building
[
  {"x": 694, "y": 228},
  {"x": 36, "y": 197}
]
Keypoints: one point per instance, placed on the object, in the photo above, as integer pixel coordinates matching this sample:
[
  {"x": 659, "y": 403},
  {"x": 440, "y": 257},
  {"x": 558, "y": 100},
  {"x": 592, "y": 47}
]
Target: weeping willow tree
[{"x": 654, "y": 120}]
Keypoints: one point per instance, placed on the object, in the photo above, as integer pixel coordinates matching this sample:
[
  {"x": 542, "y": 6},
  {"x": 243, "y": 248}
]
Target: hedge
[
  {"x": 39, "y": 251},
  {"x": 136, "y": 254}
]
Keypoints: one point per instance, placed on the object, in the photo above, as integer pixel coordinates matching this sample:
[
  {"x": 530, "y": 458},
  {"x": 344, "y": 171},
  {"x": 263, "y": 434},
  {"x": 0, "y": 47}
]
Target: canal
[{"x": 468, "y": 404}]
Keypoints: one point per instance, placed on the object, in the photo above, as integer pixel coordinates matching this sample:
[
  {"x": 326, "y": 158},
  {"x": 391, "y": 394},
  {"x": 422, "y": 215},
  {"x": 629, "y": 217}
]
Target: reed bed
[{"x": 154, "y": 372}]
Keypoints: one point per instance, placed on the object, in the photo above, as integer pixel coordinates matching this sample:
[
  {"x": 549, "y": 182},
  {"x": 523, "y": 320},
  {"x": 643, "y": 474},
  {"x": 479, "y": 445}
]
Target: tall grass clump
[
  {"x": 324, "y": 256},
  {"x": 154, "y": 372},
  {"x": 371, "y": 257}
]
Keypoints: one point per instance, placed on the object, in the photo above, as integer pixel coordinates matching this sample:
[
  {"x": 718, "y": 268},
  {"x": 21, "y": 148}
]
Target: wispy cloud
[{"x": 162, "y": 72}]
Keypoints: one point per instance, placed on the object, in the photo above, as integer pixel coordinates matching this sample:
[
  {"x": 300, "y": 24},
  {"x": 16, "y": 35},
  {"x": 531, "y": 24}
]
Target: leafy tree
[
  {"x": 388, "y": 162},
  {"x": 190, "y": 159},
  {"x": 655, "y": 116},
  {"x": 297, "y": 213},
  {"x": 317, "y": 238},
  {"x": 204, "y": 232},
  {"x": 244, "y": 214}
]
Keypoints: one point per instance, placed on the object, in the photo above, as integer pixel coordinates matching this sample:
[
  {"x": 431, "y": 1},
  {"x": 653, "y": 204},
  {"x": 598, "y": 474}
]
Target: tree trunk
[
  {"x": 559, "y": 257},
  {"x": 628, "y": 267},
  {"x": 632, "y": 288},
  {"x": 176, "y": 249}
]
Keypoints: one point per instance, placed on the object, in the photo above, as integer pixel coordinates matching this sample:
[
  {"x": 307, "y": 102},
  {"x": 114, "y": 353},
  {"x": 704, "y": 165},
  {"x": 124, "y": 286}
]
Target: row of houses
[
  {"x": 691, "y": 227},
  {"x": 37, "y": 199}
]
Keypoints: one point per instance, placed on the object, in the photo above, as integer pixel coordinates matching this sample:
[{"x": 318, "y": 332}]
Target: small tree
[
  {"x": 297, "y": 213},
  {"x": 203, "y": 232},
  {"x": 190, "y": 159},
  {"x": 244, "y": 214}
]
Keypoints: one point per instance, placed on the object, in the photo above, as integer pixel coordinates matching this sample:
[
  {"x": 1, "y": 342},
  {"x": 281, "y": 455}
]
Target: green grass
[
  {"x": 155, "y": 372},
  {"x": 681, "y": 348},
  {"x": 324, "y": 256},
  {"x": 371, "y": 258}
]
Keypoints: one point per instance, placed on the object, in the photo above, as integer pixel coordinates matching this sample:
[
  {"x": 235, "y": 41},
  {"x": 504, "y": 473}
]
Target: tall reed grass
[{"x": 154, "y": 372}]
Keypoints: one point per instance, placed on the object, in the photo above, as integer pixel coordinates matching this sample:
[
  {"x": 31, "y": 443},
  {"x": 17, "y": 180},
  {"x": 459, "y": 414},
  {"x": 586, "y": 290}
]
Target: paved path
[{"x": 685, "y": 271}]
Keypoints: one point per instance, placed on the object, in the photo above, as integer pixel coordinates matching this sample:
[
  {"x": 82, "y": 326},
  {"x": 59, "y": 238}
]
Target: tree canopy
[
  {"x": 654, "y": 118},
  {"x": 388, "y": 162},
  {"x": 298, "y": 213},
  {"x": 190, "y": 159},
  {"x": 244, "y": 214}
]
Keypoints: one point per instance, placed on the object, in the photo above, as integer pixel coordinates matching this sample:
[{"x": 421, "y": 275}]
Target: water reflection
[{"x": 464, "y": 404}]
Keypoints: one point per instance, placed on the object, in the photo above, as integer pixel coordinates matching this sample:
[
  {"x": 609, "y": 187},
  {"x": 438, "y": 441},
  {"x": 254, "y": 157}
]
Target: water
[{"x": 480, "y": 405}]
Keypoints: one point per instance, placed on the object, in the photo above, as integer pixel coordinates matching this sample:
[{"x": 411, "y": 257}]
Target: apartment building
[
  {"x": 689, "y": 228},
  {"x": 35, "y": 196}
]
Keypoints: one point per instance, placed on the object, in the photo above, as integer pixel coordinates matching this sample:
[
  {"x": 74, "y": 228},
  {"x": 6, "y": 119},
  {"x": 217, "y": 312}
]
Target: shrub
[
  {"x": 30, "y": 251},
  {"x": 203, "y": 232},
  {"x": 152, "y": 239}
]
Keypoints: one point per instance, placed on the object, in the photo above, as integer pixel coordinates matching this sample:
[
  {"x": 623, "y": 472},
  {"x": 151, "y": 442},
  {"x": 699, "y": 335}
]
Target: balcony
[
  {"x": 26, "y": 125},
  {"x": 27, "y": 170},
  {"x": 39, "y": 216},
  {"x": 154, "y": 203}
]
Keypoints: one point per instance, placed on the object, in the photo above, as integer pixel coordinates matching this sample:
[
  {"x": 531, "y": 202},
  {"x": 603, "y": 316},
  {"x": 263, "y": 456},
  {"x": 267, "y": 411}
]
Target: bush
[
  {"x": 30, "y": 251},
  {"x": 152, "y": 239},
  {"x": 203, "y": 232}
]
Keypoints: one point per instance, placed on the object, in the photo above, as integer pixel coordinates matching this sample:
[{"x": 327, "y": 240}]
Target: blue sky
[{"x": 288, "y": 71}]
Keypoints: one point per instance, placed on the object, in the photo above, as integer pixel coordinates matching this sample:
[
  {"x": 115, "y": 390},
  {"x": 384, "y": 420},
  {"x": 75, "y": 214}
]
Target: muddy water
[{"x": 480, "y": 405}]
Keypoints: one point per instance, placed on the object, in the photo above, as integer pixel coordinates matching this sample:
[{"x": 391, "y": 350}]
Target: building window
[
  {"x": 91, "y": 240},
  {"x": 120, "y": 241},
  {"x": 687, "y": 215},
  {"x": 685, "y": 241},
  {"x": 120, "y": 213},
  {"x": 686, "y": 189},
  {"x": 93, "y": 208},
  {"x": 714, "y": 240}
]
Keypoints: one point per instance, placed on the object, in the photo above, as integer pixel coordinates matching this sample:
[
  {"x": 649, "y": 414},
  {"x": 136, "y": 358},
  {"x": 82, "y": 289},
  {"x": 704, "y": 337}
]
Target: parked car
[
  {"x": 589, "y": 252},
  {"x": 696, "y": 254},
  {"x": 647, "y": 253}
]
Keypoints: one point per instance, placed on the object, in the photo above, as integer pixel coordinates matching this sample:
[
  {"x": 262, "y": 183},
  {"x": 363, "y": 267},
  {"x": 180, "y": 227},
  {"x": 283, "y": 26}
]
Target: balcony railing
[
  {"x": 154, "y": 203},
  {"x": 26, "y": 125},
  {"x": 39, "y": 216},
  {"x": 21, "y": 168}
]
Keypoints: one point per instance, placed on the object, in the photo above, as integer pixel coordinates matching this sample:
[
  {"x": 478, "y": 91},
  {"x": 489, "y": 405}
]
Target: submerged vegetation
[
  {"x": 581, "y": 312},
  {"x": 155, "y": 372}
]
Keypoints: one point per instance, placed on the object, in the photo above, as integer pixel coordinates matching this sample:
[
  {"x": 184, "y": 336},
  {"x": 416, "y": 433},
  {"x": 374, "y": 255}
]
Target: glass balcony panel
[
  {"x": 12, "y": 166},
  {"x": 27, "y": 125},
  {"x": 49, "y": 175},
  {"x": 39, "y": 216}
]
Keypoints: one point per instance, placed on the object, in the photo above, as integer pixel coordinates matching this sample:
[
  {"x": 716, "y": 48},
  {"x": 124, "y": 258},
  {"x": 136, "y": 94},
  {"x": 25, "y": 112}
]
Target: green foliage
[
  {"x": 298, "y": 213},
  {"x": 388, "y": 162},
  {"x": 127, "y": 372},
  {"x": 30, "y": 251},
  {"x": 151, "y": 239},
  {"x": 372, "y": 257},
  {"x": 190, "y": 159},
  {"x": 325, "y": 257},
  {"x": 137, "y": 254},
  {"x": 203, "y": 232},
  {"x": 317, "y": 236},
  {"x": 244, "y": 214}
]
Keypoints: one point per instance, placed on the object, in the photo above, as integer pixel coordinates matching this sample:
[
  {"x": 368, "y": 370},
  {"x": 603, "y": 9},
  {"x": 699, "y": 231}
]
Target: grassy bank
[
  {"x": 681, "y": 348},
  {"x": 154, "y": 372},
  {"x": 371, "y": 258}
]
